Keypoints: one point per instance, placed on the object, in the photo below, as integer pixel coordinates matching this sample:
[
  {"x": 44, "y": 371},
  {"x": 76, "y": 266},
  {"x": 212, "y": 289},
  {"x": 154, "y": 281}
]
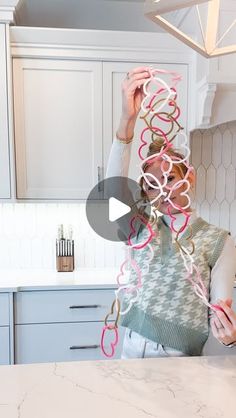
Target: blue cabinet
[
  {"x": 4, "y": 346},
  {"x": 4, "y": 329},
  {"x": 62, "y": 325},
  {"x": 4, "y": 309}
]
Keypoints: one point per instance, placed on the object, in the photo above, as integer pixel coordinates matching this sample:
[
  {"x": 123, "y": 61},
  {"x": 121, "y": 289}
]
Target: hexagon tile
[{"x": 213, "y": 155}]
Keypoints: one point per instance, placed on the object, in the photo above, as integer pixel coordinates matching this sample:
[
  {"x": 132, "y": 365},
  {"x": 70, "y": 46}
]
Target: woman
[{"x": 169, "y": 318}]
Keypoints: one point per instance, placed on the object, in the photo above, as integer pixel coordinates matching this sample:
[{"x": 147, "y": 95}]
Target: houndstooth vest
[{"x": 167, "y": 310}]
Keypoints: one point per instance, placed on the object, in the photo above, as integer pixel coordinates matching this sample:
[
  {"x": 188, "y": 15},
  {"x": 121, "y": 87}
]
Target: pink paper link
[
  {"x": 144, "y": 142},
  {"x": 160, "y": 91},
  {"x": 133, "y": 232},
  {"x": 172, "y": 117},
  {"x": 201, "y": 291},
  {"x": 112, "y": 344},
  {"x": 137, "y": 270},
  {"x": 173, "y": 218},
  {"x": 201, "y": 288},
  {"x": 175, "y": 160},
  {"x": 158, "y": 156},
  {"x": 176, "y": 77},
  {"x": 216, "y": 307}
]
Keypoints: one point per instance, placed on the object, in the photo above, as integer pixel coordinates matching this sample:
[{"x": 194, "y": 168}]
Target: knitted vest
[{"x": 167, "y": 310}]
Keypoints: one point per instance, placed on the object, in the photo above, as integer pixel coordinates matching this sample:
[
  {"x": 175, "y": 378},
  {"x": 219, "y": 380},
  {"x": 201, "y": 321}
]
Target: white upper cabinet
[
  {"x": 5, "y": 188},
  {"x": 58, "y": 127},
  {"x": 113, "y": 74},
  {"x": 67, "y": 104}
]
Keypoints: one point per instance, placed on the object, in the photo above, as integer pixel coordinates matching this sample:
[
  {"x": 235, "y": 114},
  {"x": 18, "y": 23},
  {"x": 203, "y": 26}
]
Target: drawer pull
[
  {"x": 84, "y": 306},
  {"x": 83, "y": 347}
]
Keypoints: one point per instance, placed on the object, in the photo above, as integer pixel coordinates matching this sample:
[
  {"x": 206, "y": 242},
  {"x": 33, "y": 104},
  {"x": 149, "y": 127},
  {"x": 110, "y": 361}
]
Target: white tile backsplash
[
  {"x": 28, "y": 230},
  {"x": 213, "y": 154}
]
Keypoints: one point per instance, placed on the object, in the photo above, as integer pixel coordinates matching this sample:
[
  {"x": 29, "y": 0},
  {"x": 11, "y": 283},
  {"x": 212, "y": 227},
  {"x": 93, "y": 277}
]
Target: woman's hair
[{"x": 156, "y": 146}]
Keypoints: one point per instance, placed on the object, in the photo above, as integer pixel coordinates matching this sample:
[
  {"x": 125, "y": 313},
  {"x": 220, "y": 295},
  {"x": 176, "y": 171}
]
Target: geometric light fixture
[{"x": 207, "y": 13}]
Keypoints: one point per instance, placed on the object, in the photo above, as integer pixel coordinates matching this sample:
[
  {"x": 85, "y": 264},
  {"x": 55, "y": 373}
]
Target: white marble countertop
[
  {"x": 16, "y": 280},
  {"x": 201, "y": 387},
  {"x": 42, "y": 279}
]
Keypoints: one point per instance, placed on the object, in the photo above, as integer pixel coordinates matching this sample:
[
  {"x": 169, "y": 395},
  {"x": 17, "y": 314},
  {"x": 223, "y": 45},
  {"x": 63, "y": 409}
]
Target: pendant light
[{"x": 209, "y": 23}]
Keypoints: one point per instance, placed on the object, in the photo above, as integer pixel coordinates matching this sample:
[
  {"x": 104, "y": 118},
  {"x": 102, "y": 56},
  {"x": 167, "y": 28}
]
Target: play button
[
  {"x": 111, "y": 206},
  {"x": 117, "y": 209}
]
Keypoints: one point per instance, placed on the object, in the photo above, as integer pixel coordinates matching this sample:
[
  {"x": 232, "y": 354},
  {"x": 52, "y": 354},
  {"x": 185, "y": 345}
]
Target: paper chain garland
[{"x": 159, "y": 104}]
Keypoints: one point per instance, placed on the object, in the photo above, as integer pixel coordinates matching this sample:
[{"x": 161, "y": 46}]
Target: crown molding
[
  {"x": 205, "y": 97},
  {"x": 7, "y": 10},
  {"x": 214, "y": 103},
  {"x": 96, "y": 44}
]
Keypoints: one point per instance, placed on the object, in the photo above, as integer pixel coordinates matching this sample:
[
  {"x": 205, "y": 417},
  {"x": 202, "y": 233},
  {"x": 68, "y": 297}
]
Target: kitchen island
[
  {"x": 46, "y": 316},
  {"x": 188, "y": 387}
]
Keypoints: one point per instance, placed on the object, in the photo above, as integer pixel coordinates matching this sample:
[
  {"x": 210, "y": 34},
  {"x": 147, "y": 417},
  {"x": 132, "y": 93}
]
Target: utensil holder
[{"x": 65, "y": 263}]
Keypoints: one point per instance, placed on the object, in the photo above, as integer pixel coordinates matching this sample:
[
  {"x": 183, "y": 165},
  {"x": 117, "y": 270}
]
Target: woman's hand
[
  {"x": 223, "y": 324},
  {"x": 132, "y": 96}
]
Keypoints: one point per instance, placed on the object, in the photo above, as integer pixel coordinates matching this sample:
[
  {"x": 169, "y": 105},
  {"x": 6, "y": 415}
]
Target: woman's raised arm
[{"x": 132, "y": 96}]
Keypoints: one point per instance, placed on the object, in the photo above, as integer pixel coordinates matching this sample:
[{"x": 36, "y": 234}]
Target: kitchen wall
[
  {"x": 28, "y": 231},
  {"x": 85, "y": 14},
  {"x": 214, "y": 158}
]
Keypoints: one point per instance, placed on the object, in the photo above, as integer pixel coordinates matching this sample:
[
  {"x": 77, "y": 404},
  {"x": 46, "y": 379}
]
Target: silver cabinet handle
[
  {"x": 83, "y": 347},
  {"x": 84, "y": 306},
  {"x": 99, "y": 178}
]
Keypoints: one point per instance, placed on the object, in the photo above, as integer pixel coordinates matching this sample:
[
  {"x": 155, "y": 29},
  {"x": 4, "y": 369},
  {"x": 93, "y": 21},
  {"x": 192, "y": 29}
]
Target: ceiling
[{"x": 116, "y": 15}]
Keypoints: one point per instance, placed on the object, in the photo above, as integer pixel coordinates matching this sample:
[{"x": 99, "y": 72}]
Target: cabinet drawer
[
  {"x": 4, "y": 309},
  {"x": 62, "y": 306},
  {"x": 36, "y": 343},
  {"x": 4, "y": 345}
]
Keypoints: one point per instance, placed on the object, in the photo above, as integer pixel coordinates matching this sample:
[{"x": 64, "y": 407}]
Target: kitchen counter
[
  {"x": 16, "y": 280},
  {"x": 163, "y": 388}
]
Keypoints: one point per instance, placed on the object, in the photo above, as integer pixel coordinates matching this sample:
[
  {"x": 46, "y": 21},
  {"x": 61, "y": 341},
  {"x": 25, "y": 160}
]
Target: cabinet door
[
  {"x": 39, "y": 343},
  {"x": 113, "y": 74},
  {"x": 4, "y": 309},
  {"x": 4, "y": 345},
  {"x": 58, "y": 127},
  {"x": 5, "y": 191}
]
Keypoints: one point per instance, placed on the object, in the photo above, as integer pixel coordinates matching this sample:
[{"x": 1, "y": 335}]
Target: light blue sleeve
[
  {"x": 223, "y": 273},
  {"x": 119, "y": 159}
]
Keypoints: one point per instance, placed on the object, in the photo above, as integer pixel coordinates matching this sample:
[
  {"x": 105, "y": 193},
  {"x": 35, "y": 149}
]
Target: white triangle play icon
[{"x": 117, "y": 209}]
